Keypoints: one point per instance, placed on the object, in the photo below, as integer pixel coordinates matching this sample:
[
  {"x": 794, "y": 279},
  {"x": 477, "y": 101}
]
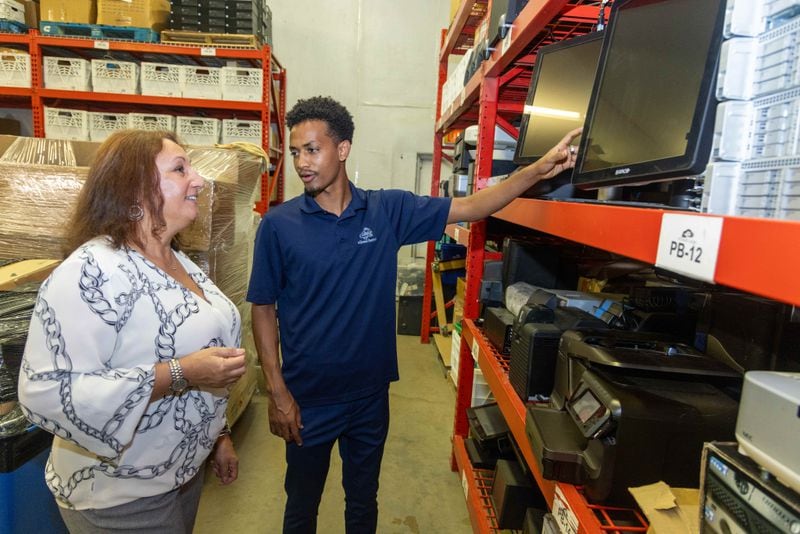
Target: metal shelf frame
[
  {"x": 271, "y": 109},
  {"x": 755, "y": 255}
]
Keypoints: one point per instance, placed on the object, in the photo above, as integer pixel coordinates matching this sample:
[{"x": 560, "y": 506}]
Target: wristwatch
[{"x": 179, "y": 382}]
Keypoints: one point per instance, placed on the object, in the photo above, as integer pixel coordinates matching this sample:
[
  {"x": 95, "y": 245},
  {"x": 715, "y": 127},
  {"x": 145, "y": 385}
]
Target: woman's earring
[{"x": 135, "y": 213}]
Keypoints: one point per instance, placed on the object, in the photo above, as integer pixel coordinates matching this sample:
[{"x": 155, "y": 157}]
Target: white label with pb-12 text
[{"x": 689, "y": 245}]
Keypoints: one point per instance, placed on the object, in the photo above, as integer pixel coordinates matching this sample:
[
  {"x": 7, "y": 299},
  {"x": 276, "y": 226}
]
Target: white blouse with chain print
[{"x": 101, "y": 322}]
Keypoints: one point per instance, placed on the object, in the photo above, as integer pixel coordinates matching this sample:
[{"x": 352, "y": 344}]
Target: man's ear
[{"x": 344, "y": 150}]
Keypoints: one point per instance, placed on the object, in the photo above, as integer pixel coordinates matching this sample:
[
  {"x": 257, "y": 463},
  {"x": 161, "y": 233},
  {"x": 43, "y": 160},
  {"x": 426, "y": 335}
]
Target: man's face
[{"x": 317, "y": 158}]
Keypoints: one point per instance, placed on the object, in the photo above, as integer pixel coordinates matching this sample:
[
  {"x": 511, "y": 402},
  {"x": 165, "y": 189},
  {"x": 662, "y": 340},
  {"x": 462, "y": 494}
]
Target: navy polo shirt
[{"x": 333, "y": 280}]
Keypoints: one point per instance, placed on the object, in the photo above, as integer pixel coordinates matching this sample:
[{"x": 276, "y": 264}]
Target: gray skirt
[{"x": 169, "y": 513}]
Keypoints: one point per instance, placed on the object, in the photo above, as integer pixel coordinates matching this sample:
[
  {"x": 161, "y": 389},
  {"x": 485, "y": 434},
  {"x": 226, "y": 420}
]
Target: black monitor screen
[
  {"x": 559, "y": 94},
  {"x": 652, "y": 109}
]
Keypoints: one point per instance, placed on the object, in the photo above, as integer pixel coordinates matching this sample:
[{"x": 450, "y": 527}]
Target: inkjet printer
[{"x": 628, "y": 409}]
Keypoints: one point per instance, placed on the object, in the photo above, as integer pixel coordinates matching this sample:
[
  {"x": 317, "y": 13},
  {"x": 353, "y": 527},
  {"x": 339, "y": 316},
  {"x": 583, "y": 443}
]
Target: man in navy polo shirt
[{"x": 324, "y": 275}]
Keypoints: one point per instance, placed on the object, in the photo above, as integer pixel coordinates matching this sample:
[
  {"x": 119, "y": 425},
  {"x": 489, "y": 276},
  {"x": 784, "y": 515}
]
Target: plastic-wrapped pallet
[{"x": 54, "y": 171}]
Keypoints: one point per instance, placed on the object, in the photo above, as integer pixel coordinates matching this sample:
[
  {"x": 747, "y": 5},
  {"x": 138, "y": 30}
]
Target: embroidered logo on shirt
[{"x": 366, "y": 236}]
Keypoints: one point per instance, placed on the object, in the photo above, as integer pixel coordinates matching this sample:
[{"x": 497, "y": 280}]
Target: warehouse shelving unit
[
  {"x": 270, "y": 110},
  {"x": 751, "y": 257}
]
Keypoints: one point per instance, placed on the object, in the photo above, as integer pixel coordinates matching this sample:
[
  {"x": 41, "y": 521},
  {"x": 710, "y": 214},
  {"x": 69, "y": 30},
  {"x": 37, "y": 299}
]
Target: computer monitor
[
  {"x": 651, "y": 114},
  {"x": 558, "y": 95}
]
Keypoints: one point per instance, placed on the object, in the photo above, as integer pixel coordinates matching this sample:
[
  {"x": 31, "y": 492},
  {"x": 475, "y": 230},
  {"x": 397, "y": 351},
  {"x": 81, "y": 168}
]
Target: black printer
[{"x": 629, "y": 409}]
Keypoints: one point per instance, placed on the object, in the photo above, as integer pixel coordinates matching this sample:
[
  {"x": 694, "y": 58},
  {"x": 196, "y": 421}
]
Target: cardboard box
[
  {"x": 669, "y": 510},
  {"x": 78, "y": 11},
  {"x": 32, "y": 13},
  {"x": 153, "y": 14}
]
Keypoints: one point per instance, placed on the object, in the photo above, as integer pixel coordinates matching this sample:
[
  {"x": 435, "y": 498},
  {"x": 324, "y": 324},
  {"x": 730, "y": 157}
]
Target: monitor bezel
[
  {"x": 694, "y": 161},
  {"x": 542, "y": 53}
]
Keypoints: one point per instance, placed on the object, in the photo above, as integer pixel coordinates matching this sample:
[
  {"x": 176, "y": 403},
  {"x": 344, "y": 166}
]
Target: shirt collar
[{"x": 358, "y": 201}]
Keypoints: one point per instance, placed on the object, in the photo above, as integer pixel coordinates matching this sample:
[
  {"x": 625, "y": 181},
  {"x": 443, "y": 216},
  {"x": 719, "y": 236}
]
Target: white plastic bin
[
  {"x": 202, "y": 131},
  {"x": 152, "y": 122},
  {"x": 234, "y": 130},
  {"x": 162, "y": 79},
  {"x": 202, "y": 82},
  {"x": 109, "y": 76},
  {"x": 15, "y": 69},
  {"x": 101, "y": 125},
  {"x": 242, "y": 84},
  {"x": 67, "y": 73},
  {"x": 70, "y": 124}
]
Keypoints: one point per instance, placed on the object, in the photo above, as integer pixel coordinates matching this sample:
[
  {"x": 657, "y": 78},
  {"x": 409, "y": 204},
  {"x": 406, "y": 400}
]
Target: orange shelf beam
[
  {"x": 759, "y": 256},
  {"x": 631, "y": 232},
  {"x": 149, "y": 48}
]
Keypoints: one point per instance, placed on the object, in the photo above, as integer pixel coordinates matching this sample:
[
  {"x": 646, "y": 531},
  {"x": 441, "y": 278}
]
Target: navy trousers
[{"x": 360, "y": 427}]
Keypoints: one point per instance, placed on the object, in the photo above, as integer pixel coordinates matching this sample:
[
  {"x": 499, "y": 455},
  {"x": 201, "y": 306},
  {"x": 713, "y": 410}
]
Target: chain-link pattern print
[{"x": 102, "y": 320}]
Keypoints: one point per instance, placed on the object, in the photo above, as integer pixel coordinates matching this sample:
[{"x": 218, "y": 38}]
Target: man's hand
[
  {"x": 559, "y": 158},
  {"x": 284, "y": 418}
]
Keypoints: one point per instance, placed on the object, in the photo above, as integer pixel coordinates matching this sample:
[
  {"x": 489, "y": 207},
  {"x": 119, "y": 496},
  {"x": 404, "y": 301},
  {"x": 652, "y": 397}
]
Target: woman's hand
[
  {"x": 214, "y": 367},
  {"x": 225, "y": 461}
]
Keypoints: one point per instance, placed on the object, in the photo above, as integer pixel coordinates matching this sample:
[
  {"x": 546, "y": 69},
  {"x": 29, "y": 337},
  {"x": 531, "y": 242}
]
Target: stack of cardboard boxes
[{"x": 152, "y": 14}]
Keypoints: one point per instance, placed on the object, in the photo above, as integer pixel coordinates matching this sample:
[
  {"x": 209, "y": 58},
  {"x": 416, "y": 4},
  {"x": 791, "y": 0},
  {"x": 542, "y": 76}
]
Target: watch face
[{"x": 179, "y": 384}]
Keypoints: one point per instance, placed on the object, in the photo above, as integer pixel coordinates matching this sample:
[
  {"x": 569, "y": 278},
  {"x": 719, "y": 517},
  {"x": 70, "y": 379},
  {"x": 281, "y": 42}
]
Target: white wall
[{"x": 377, "y": 57}]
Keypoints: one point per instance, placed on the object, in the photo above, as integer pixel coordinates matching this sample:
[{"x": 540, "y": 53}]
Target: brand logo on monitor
[{"x": 620, "y": 172}]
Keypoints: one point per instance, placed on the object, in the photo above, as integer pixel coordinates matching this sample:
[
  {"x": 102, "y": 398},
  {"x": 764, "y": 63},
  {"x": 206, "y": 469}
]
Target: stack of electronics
[
  {"x": 756, "y": 172},
  {"x": 246, "y": 17},
  {"x": 616, "y": 408},
  {"x": 461, "y": 181},
  {"x": 644, "y": 94},
  {"x": 491, "y": 447},
  {"x": 629, "y": 409},
  {"x": 754, "y": 485}
]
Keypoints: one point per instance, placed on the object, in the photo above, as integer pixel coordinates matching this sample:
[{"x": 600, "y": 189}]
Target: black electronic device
[
  {"x": 534, "y": 349},
  {"x": 492, "y": 283},
  {"x": 498, "y": 325},
  {"x": 534, "y": 519},
  {"x": 628, "y": 430},
  {"x": 503, "y": 14},
  {"x": 479, "y": 457},
  {"x": 558, "y": 98},
  {"x": 639, "y": 352},
  {"x": 736, "y": 497},
  {"x": 489, "y": 429},
  {"x": 538, "y": 265},
  {"x": 512, "y": 494},
  {"x": 630, "y": 409},
  {"x": 651, "y": 114},
  {"x": 461, "y": 155}
]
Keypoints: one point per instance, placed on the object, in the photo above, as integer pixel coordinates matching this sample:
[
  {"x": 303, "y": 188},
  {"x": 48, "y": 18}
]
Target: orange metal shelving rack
[
  {"x": 271, "y": 109},
  {"x": 755, "y": 254}
]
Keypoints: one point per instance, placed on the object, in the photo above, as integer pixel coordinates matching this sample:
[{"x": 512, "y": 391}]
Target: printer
[{"x": 628, "y": 409}]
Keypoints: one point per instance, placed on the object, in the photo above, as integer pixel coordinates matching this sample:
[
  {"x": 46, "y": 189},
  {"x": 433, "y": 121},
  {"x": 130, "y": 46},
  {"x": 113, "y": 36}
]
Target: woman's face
[{"x": 180, "y": 185}]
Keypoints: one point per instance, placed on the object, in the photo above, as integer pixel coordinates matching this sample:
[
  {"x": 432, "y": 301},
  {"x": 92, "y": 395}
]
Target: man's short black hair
[{"x": 323, "y": 108}]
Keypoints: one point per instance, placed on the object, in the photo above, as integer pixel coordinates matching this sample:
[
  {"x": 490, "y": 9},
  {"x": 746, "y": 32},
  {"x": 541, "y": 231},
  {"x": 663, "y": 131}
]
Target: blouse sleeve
[{"x": 66, "y": 384}]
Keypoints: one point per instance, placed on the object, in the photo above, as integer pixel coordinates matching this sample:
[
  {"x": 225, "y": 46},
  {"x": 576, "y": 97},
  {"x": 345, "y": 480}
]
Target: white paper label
[
  {"x": 464, "y": 484},
  {"x": 102, "y": 45},
  {"x": 455, "y": 233},
  {"x": 476, "y": 349},
  {"x": 689, "y": 244},
  {"x": 208, "y": 51},
  {"x": 563, "y": 514}
]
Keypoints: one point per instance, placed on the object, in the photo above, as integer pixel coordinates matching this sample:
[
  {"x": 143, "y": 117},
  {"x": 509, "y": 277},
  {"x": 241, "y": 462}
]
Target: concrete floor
[{"x": 418, "y": 492}]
